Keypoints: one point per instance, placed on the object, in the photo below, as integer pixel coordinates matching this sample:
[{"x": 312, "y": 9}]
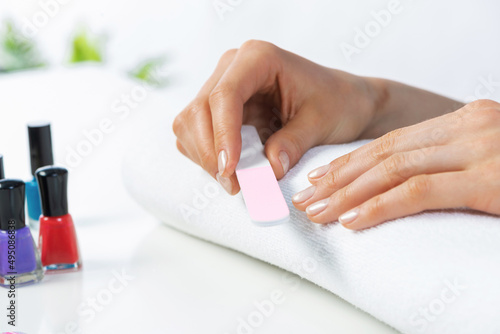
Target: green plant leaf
[
  {"x": 16, "y": 51},
  {"x": 85, "y": 48},
  {"x": 151, "y": 71}
]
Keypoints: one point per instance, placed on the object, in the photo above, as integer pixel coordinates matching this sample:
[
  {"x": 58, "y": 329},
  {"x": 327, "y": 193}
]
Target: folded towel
[{"x": 435, "y": 272}]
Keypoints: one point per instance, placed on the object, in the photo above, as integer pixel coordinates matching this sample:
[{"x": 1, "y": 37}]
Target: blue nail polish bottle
[{"x": 40, "y": 142}]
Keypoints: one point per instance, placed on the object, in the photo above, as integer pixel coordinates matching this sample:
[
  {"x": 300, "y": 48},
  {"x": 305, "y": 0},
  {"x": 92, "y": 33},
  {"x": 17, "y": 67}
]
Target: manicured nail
[
  {"x": 349, "y": 216},
  {"x": 225, "y": 182},
  {"x": 285, "y": 161},
  {"x": 222, "y": 161},
  {"x": 304, "y": 195},
  {"x": 317, "y": 207},
  {"x": 318, "y": 172}
]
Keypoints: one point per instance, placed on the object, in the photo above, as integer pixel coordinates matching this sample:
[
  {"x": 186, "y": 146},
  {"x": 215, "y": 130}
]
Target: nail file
[{"x": 263, "y": 197}]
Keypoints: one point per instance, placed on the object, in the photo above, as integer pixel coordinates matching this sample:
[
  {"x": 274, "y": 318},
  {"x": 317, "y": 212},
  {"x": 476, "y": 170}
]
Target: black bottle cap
[
  {"x": 53, "y": 185},
  {"x": 2, "y": 172},
  {"x": 11, "y": 204},
  {"x": 40, "y": 145}
]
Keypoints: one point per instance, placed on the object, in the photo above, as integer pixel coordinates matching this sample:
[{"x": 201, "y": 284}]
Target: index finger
[{"x": 252, "y": 70}]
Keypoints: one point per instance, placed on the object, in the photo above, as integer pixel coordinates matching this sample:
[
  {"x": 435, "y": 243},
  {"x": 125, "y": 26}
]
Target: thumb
[{"x": 287, "y": 145}]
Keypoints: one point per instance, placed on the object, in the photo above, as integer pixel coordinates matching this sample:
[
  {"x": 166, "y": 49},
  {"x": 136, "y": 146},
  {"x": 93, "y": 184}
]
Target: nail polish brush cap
[
  {"x": 11, "y": 204},
  {"x": 2, "y": 172},
  {"x": 40, "y": 145},
  {"x": 53, "y": 185}
]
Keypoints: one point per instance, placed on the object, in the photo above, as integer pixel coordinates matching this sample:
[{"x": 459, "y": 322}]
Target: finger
[
  {"x": 200, "y": 128},
  {"x": 346, "y": 169},
  {"x": 419, "y": 193},
  {"x": 194, "y": 126},
  {"x": 181, "y": 149},
  {"x": 230, "y": 184},
  {"x": 224, "y": 62},
  {"x": 286, "y": 146},
  {"x": 386, "y": 175},
  {"x": 202, "y": 136},
  {"x": 251, "y": 71}
]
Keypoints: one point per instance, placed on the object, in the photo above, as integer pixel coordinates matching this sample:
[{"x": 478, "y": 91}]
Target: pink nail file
[{"x": 261, "y": 192}]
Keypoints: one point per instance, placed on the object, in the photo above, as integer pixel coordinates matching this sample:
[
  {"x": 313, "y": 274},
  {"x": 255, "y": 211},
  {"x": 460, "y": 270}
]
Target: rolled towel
[{"x": 435, "y": 272}]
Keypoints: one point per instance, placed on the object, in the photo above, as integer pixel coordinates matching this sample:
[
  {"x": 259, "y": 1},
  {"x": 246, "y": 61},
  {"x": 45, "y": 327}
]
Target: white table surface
[{"x": 177, "y": 283}]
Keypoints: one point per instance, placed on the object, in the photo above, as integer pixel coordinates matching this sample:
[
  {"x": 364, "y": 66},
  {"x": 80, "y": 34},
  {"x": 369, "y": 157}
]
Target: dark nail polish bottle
[
  {"x": 40, "y": 155},
  {"x": 2, "y": 172},
  {"x": 57, "y": 240},
  {"x": 19, "y": 258}
]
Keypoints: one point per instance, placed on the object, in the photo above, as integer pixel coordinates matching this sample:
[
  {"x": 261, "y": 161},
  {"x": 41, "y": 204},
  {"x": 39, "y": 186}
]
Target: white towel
[{"x": 429, "y": 273}]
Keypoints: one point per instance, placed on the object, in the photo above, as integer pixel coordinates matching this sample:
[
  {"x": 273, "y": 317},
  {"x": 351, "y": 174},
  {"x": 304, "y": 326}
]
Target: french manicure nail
[
  {"x": 225, "y": 182},
  {"x": 349, "y": 216},
  {"x": 285, "y": 161},
  {"x": 317, "y": 207},
  {"x": 222, "y": 161},
  {"x": 304, "y": 195},
  {"x": 318, "y": 172}
]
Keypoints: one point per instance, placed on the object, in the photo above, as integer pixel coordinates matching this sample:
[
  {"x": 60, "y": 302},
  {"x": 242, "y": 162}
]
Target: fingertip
[
  {"x": 236, "y": 186},
  {"x": 350, "y": 227},
  {"x": 280, "y": 163},
  {"x": 316, "y": 174},
  {"x": 279, "y": 157},
  {"x": 284, "y": 160}
]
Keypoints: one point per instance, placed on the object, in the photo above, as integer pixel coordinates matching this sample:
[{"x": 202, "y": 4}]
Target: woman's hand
[
  {"x": 449, "y": 161},
  {"x": 298, "y": 103}
]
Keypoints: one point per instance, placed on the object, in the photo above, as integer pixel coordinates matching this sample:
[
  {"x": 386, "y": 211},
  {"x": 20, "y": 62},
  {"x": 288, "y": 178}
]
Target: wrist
[{"x": 378, "y": 97}]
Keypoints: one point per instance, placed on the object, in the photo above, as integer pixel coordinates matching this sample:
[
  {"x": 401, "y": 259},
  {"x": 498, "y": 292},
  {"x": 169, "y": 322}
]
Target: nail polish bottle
[
  {"x": 57, "y": 240},
  {"x": 19, "y": 257},
  {"x": 2, "y": 173},
  {"x": 40, "y": 155}
]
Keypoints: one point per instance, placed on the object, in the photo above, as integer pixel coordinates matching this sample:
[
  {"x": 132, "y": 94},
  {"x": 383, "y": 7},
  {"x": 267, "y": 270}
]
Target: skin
[{"x": 432, "y": 152}]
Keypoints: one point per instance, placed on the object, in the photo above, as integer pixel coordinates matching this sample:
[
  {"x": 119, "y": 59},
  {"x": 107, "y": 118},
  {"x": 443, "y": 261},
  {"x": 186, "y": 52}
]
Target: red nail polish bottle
[{"x": 57, "y": 240}]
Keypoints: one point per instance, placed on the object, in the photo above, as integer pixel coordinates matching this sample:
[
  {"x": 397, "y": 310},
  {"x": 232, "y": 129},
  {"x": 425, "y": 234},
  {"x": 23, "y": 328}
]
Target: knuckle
[
  {"x": 417, "y": 188},
  {"x": 218, "y": 94},
  {"x": 262, "y": 48},
  {"x": 479, "y": 106},
  {"x": 220, "y": 132},
  {"x": 394, "y": 166},
  {"x": 490, "y": 115},
  {"x": 331, "y": 180},
  {"x": 207, "y": 160},
  {"x": 385, "y": 145},
  {"x": 255, "y": 44},
  {"x": 228, "y": 55},
  {"x": 180, "y": 148},
  {"x": 178, "y": 124},
  {"x": 377, "y": 207},
  {"x": 196, "y": 108},
  {"x": 342, "y": 161},
  {"x": 343, "y": 195},
  {"x": 483, "y": 103},
  {"x": 188, "y": 115}
]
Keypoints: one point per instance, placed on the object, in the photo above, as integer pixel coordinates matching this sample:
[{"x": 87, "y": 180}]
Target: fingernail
[
  {"x": 225, "y": 182},
  {"x": 317, "y": 207},
  {"x": 349, "y": 216},
  {"x": 318, "y": 172},
  {"x": 285, "y": 161},
  {"x": 222, "y": 161},
  {"x": 304, "y": 195}
]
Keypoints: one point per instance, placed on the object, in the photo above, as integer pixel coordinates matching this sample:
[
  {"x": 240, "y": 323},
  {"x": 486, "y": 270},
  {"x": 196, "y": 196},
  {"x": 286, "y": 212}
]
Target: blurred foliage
[
  {"x": 151, "y": 71},
  {"x": 16, "y": 51},
  {"x": 85, "y": 48}
]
